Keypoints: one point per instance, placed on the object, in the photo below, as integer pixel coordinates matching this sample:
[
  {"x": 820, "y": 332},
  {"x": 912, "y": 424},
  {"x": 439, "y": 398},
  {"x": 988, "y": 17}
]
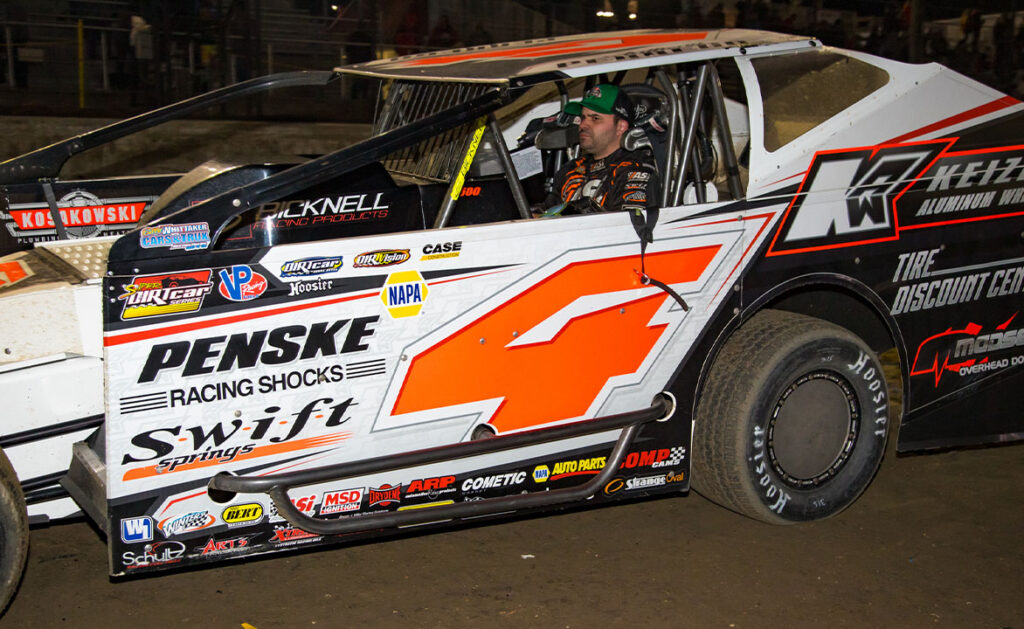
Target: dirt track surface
[{"x": 935, "y": 542}]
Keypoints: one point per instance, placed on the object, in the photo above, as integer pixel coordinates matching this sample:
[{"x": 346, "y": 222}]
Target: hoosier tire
[
  {"x": 792, "y": 420},
  {"x": 13, "y": 532}
]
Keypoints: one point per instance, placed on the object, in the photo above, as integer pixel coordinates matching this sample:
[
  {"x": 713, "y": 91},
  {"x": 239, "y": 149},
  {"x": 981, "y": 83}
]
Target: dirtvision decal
[
  {"x": 382, "y": 257},
  {"x": 83, "y": 215},
  {"x": 165, "y": 294}
]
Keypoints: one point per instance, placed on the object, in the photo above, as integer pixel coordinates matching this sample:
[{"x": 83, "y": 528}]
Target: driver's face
[{"x": 599, "y": 133}]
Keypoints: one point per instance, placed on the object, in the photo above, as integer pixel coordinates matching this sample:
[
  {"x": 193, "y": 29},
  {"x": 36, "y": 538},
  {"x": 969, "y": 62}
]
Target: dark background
[{"x": 113, "y": 58}]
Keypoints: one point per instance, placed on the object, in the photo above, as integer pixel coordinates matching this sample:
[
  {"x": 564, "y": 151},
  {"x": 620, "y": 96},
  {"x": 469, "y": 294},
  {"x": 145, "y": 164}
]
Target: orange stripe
[
  {"x": 981, "y": 110},
  {"x": 273, "y": 448}
]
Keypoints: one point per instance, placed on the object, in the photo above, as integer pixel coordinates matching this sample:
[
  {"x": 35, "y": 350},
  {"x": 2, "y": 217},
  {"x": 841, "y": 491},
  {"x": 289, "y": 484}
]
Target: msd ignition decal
[
  {"x": 847, "y": 197},
  {"x": 404, "y": 293},
  {"x": 187, "y": 236},
  {"x": 241, "y": 283},
  {"x": 311, "y": 266},
  {"x": 177, "y": 448},
  {"x": 342, "y": 501},
  {"x": 83, "y": 214},
  {"x": 383, "y": 257},
  {"x": 970, "y": 350},
  {"x": 154, "y": 295}
]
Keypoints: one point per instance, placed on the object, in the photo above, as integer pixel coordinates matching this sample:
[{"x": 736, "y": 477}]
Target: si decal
[{"x": 241, "y": 283}]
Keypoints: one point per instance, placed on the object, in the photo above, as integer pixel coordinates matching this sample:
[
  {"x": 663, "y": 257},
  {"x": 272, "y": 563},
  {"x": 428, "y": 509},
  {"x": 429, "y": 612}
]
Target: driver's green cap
[{"x": 604, "y": 98}]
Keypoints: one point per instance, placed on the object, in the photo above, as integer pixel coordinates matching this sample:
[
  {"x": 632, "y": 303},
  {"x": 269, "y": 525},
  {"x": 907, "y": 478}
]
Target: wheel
[
  {"x": 792, "y": 420},
  {"x": 13, "y": 532}
]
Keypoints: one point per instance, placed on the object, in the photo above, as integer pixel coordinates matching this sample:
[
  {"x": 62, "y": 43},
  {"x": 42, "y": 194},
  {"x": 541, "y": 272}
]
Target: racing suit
[{"x": 625, "y": 180}]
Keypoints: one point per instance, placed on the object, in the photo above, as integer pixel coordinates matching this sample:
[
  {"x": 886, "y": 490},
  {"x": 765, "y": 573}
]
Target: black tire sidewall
[
  {"x": 834, "y": 351},
  {"x": 13, "y": 532}
]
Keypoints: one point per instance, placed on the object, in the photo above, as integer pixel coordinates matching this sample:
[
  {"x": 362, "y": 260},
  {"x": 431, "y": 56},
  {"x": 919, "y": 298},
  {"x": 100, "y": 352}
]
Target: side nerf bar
[{"x": 224, "y": 486}]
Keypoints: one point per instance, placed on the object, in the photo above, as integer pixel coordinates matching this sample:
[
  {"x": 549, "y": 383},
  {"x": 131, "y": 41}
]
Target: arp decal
[
  {"x": 966, "y": 351},
  {"x": 847, "y": 197},
  {"x": 189, "y": 236},
  {"x": 241, "y": 283},
  {"x": 155, "y": 295},
  {"x": 469, "y": 365}
]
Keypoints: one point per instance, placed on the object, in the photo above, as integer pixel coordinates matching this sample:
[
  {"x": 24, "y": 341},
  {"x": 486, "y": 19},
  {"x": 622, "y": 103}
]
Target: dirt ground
[{"x": 935, "y": 542}]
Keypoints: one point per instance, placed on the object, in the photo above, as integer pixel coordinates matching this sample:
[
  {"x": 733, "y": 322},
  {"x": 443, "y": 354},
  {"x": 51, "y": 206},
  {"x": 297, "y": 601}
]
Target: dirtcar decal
[
  {"x": 966, "y": 351},
  {"x": 279, "y": 346},
  {"x": 311, "y": 266},
  {"x": 13, "y": 272},
  {"x": 155, "y": 295},
  {"x": 189, "y": 236},
  {"x": 241, "y": 283},
  {"x": 554, "y": 327},
  {"x": 847, "y": 197}
]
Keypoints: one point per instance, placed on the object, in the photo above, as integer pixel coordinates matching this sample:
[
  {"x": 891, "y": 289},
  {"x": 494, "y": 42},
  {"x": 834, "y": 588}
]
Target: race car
[{"x": 277, "y": 356}]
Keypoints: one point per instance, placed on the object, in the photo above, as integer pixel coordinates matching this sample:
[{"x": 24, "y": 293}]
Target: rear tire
[
  {"x": 13, "y": 532},
  {"x": 792, "y": 421}
]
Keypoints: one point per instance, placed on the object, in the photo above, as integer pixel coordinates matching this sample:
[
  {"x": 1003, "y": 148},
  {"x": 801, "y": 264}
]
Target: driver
[{"x": 606, "y": 178}]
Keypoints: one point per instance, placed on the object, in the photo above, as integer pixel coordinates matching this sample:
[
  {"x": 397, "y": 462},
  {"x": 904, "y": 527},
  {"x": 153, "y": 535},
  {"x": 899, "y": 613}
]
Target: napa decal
[
  {"x": 187, "y": 236},
  {"x": 404, "y": 293},
  {"x": 165, "y": 294},
  {"x": 241, "y": 283}
]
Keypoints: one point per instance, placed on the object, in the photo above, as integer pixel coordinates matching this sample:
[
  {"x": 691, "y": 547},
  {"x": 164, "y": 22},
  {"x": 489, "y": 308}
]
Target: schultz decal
[
  {"x": 383, "y": 257},
  {"x": 188, "y": 236},
  {"x": 155, "y": 295},
  {"x": 155, "y": 554},
  {"x": 311, "y": 266},
  {"x": 241, "y": 283}
]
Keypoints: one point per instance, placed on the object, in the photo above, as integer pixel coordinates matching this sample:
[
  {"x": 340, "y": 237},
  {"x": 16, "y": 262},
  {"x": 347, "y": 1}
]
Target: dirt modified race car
[{"x": 288, "y": 355}]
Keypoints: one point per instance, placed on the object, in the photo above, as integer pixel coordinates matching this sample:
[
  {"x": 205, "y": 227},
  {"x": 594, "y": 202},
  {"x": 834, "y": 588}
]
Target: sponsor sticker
[
  {"x": 224, "y": 546},
  {"x": 187, "y": 236},
  {"x": 155, "y": 554},
  {"x": 311, "y": 266},
  {"x": 240, "y": 515},
  {"x": 186, "y": 523},
  {"x": 166, "y": 294},
  {"x": 384, "y": 495},
  {"x": 442, "y": 250},
  {"x": 382, "y": 257},
  {"x": 241, "y": 283},
  {"x": 404, "y": 293},
  {"x": 342, "y": 501},
  {"x": 541, "y": 474},
  {"x": 137, "y": 530}
]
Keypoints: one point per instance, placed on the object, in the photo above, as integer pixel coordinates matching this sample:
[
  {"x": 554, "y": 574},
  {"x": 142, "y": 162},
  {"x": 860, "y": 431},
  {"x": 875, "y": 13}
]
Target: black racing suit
[{"x": 625, "y": 180}]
